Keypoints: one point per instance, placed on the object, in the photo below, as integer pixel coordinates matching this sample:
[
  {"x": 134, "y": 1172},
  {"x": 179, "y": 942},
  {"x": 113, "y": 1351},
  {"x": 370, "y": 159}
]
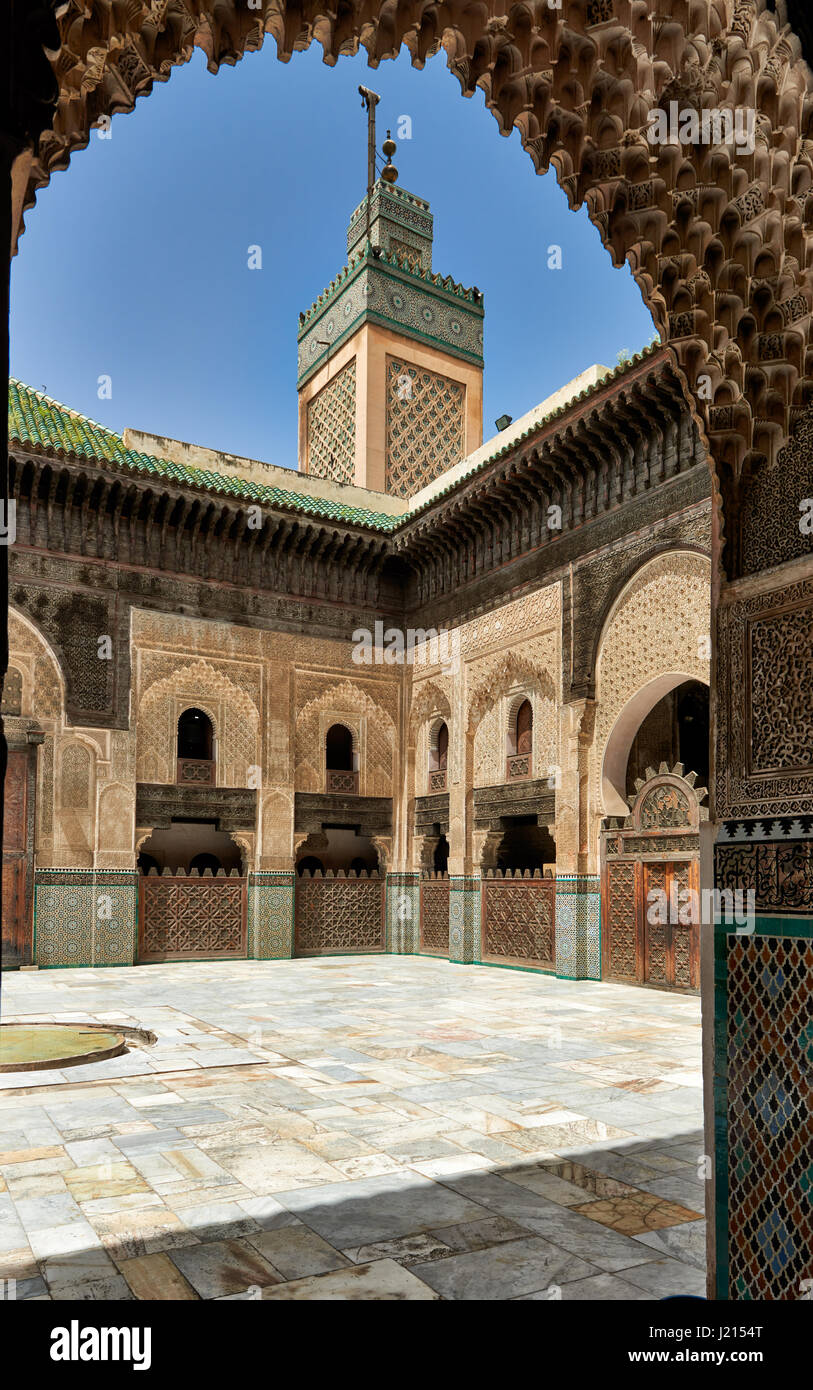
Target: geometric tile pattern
[
  {"x": 271, "y": 916},
  {"x": 84, "y": 917},
  {"x": 770, "y": 1127},
  {"x": 403, "y": 913},
  {"x": 464, "y": 919},
  {"x": 424, "y": 426},
  {"x": 578, "y": 928},
  {"x": 332, "y": 428}
]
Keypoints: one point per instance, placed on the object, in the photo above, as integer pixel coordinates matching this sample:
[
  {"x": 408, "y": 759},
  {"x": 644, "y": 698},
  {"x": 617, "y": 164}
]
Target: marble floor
[{"x": 356, "y": 1128}]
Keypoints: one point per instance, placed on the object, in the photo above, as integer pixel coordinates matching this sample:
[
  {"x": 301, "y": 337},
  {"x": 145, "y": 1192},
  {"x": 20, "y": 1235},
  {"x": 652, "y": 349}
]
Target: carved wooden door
[
  {"x": 16, "y": 940},
  {"x": 671, "y": 935},
  {"x": 648, "y": 932}
]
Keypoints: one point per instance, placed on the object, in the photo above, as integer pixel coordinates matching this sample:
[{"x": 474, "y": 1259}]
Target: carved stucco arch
[
  {"x": 199, "y": 685},
  {"x": 510, "y": 671},
  {"x": 487, "y": 725},
  {"x": 430, "y": 707},
  {"x": 641, "y": 658},
  {"x": 718, "y": 240},
  {"x": 618, "y": 588},
  {"x": 43, "y": 694},
  {"x": 348, "y": 704}
]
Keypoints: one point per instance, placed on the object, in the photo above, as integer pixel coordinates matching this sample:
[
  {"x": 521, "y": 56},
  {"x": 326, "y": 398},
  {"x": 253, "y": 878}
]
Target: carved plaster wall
[{"x": 660, "y": 625}]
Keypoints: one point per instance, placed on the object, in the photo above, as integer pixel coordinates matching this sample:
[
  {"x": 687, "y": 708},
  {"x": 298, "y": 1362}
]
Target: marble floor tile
[
  {"x": 22, "y": 1289},
  {"x": 95, "y": 1290},
  {"x": 373, "y": 1209},
  {"x": 104, "y": 1179},
  {"x": 385, "y": 1111},
  {"x": 296, "y": 1252},
  {"x": 686, "y": 1242},
  {"x": 126, "y": 1235},
  {"x": 630, "y": 1215},
  {"x": 667, "y": 1277},
  {"x": 407, "y": 1250},
  {"x": 599, "y": 1288},
  {"x": 81, "y": 1266},
  {"x": 217, "y": 1221},
  {"x": 479, "y": 1235},
  {"x": 223, "y": 1267},
  {"x": 384, "y": 1281},
  {"x": 506, "y": 1270},
  {"x": 156, "y": 1277}
]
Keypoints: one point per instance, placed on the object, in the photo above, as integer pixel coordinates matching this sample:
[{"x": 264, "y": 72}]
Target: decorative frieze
[
  {"x": 520, "y": 798},
  {"x": 231, "y": 808}
]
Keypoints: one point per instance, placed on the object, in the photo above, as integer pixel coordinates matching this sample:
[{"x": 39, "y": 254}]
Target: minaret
[{"x": 390, "y": 372}]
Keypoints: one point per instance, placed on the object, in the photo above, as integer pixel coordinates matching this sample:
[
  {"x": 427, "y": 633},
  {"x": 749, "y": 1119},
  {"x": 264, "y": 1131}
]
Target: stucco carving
[
  {"x": 659, "y": 625},
  {"x": 201, "y": 685}
]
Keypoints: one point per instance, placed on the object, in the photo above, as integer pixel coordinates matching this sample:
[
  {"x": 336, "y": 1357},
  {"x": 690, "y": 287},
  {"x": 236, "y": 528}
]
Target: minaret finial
[
  {"x": 370, "y": 100},
  {"x": 389, "y": 173}
]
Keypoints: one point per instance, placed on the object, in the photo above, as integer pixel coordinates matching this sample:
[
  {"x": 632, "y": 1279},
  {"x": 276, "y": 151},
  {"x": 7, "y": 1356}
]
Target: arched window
[
  {"x": 525, "y": 727},
  {"x": 195, "y": 748},
  {"x": 341, "y": 774},
  {"x": 438, "y": 757},
  {"x": 520, "y": 742},
  {"x": 195, "y": 735}
]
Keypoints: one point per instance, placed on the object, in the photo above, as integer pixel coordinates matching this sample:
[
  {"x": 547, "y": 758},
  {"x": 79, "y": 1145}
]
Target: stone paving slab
[{"x": 356, "y": 1128}]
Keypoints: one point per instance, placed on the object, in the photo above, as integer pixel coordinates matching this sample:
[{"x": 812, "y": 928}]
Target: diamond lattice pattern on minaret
[{"x": 390, "y": 370}]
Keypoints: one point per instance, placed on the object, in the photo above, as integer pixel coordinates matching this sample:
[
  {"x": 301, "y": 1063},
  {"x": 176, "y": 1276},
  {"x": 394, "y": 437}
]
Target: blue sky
[{"x": 136, "y": 265}]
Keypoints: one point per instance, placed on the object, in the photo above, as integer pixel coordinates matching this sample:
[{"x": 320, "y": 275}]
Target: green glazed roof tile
[{"x": 43, "y": 423}]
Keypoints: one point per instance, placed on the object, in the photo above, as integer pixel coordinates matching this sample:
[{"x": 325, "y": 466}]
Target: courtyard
[{"x": 370, "y": 1127}]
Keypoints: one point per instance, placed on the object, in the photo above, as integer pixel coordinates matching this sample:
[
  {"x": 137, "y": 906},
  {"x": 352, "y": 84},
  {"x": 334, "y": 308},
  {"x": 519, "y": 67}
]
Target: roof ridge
[{"x": 113, "y": 451}]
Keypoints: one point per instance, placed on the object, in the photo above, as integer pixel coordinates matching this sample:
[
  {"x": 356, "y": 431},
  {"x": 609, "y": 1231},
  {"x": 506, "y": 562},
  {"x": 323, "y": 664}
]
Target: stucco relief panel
[{"x": 660, "y": 625}]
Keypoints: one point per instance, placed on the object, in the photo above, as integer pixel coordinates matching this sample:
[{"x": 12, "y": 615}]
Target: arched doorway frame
[{"x": 617, "y": 749}]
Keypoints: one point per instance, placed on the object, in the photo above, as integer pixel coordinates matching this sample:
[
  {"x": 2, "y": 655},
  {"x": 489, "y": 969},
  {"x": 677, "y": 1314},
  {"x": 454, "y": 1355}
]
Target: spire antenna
[{"x": 370, "y": 100}]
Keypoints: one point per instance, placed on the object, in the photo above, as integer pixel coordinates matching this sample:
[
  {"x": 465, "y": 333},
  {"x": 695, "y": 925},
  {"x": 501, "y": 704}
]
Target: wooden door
[
  {"x": 16, "y": 936},
  {"x": 671, "y": 945},
  {"x": 643, "y": 939}
]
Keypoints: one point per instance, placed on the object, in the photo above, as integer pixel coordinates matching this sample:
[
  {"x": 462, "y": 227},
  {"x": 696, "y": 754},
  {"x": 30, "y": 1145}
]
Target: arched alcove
[
  {"x": 631, "y": 722},
  {"x": 190, "y": 847}
]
